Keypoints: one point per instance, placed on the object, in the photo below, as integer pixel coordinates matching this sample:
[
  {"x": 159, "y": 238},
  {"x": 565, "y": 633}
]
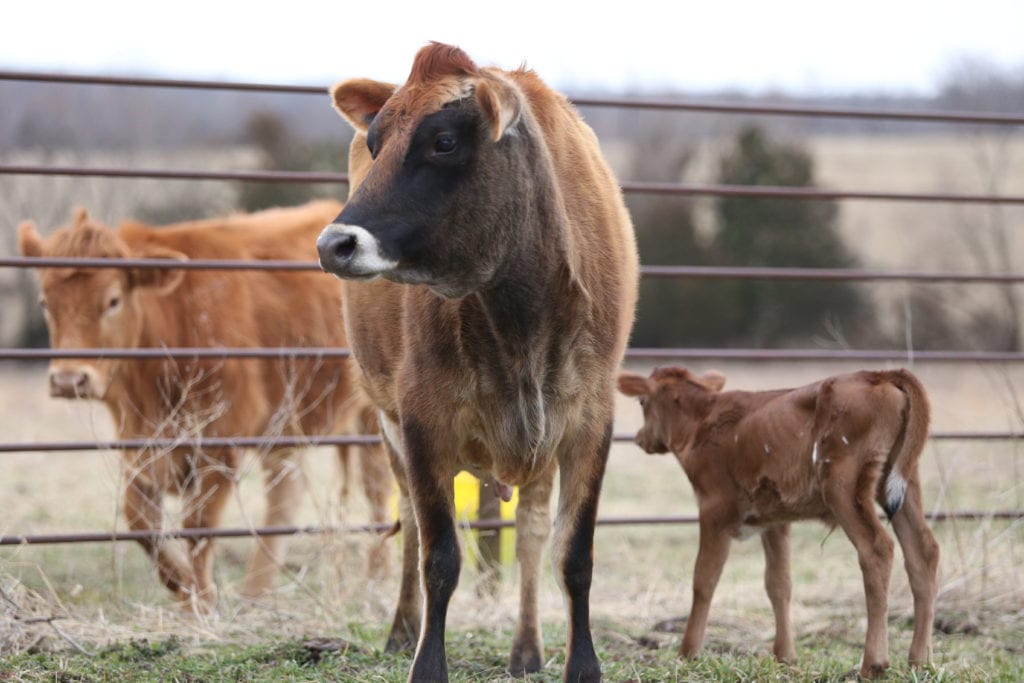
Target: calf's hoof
[
  {"x": 400, "y": 640},
  {"x": 525, "y": 660},
  {"x": 873, "y": 670}
]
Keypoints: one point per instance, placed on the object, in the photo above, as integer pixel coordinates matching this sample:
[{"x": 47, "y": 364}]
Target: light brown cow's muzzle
[{"x": 70, "y": 384}]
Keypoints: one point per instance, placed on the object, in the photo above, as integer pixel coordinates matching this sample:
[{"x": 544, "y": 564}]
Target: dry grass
[{"x": 103, "y": 593}]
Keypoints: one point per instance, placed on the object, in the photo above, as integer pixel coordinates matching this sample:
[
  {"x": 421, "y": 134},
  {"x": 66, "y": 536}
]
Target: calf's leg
[
  {"x": 715, "y": 527},
  {"x": 921, "y": 559},
  {"x": 533, "y": 526},
  {"x": 779, "y": 585},
  {"x": 581, "y": 470}
]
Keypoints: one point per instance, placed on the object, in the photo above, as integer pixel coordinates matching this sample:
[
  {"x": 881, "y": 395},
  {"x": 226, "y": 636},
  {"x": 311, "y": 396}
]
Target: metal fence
[{"x": 682, "y": 189}]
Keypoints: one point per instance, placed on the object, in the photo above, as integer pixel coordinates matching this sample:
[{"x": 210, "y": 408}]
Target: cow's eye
[
  {"x": 113, "y": 303},
  {"x": 444, "y": 143},
  {"x": 643, "y": 401}
]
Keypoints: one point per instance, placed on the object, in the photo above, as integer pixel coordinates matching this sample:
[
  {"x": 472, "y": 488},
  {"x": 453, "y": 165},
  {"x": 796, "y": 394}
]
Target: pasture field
[{"x": 95, "y": 611}]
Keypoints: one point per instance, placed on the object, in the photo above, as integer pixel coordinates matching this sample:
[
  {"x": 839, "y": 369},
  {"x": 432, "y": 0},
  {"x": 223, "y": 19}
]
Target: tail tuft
[{"x": 895, "y": 492}]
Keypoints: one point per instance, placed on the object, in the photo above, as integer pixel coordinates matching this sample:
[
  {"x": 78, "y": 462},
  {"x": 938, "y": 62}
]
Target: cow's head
[
  {"x": 674, "y": 402},
  {"x": 92, "y": 308},
  {"x": 439, "y": 171}
]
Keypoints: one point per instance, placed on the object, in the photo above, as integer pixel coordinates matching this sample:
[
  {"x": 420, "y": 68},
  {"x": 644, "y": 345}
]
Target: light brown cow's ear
[
  {"x": 631, "y": 384},
  {"x": 713, "y": 380},
  {"x": 359, "y": 99},
  {"x": 163, "y": 280},
  {"x": 499, "y": 104},
  {"x": 29, "y": 241}
]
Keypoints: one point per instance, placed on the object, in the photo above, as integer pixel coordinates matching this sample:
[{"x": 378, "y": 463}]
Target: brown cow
[
  {"x": 490, "y": 343},
  {"x": 147, "y": 308},
  {"x": 830, "y": 450}
]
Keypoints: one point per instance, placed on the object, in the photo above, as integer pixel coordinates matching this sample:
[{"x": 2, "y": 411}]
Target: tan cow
[
  {"x": 830, "y": 450},
  {"x": 148, "y": 308},
  {"x": 498, "y": 273}
]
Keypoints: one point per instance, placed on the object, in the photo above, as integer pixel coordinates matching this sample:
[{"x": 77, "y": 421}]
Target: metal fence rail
[
  {"x": 674, "y": 189},
  {"x": 119, "y": 536},
  {"x": 700, "y": 106}
]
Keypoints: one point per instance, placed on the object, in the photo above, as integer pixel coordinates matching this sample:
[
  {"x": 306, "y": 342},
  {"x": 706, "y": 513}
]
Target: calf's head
[
  {"x": 674, "y": 402},
  {"x": 91, "y": 308},
  {"x": 439, "y": 170}
]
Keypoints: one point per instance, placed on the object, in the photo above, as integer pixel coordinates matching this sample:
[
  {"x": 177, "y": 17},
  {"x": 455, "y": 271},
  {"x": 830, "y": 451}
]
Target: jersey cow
[
  {"x": 830, "y": 450},
  {"x": 496, "y": 273},
  {"x": 150, "y": 308}
]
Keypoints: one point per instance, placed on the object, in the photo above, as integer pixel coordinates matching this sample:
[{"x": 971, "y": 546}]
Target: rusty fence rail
[{"x": 673, "y": 104}]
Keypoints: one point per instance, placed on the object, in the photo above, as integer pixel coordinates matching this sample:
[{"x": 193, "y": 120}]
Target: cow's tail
[{"x": 901, "y": 465}]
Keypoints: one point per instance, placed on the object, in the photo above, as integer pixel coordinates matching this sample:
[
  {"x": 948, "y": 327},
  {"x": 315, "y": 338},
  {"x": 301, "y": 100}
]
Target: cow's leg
[
  {"x": 921, "y": 558},
  {"x": 431, "y": 488},
  {"x": 143, "y": 509},
  {"x": 533, "y": 526},
  {"x": 205, "y": 497},
  {"x": 282, "y": 489},
  {"x": 405, "y": 628},
  {"x": 855, "y": 513},
  {"x": 779, "y": 585},
  {"x": 581, "y": 471},
  {"x": 716, "y": 524}
]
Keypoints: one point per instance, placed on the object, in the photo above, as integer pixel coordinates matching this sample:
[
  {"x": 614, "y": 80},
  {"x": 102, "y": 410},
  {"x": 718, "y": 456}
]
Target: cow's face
[
  {"x": 674, "y": 403},
  {"x": 439, "y": 170},
  {"x": 91, "y": 308}
]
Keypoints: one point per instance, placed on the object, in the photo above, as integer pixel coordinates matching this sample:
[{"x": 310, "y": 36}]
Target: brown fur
[
  {"x": 194, "y": 398},
  {"x": 505, "y": 368},
  {"x": 828, "y": 451}
]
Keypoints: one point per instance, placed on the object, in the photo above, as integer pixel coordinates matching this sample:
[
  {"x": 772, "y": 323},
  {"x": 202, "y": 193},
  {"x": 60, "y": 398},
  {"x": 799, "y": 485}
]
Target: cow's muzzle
[
  {"x": 350, "y": 251},
  {"x": 70, "y": 384}
]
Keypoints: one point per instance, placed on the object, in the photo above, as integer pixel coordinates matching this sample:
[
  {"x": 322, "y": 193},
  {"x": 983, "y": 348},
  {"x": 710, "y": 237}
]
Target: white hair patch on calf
[
  {"x": 895, "y": 492},
  {"x": 814, "y": 454}
]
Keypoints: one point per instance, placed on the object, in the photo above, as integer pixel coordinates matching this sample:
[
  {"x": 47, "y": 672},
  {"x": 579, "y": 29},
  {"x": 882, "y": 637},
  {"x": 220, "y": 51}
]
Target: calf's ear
[
  {"x": 500, "y": 105},
  {"x": 634, "y": 385},
  {"x": 359, "y": 99},
  {"x": 29, "y": 241},
  {"x": 163, "y": 280},
  {"x": 713, "y": 380}
]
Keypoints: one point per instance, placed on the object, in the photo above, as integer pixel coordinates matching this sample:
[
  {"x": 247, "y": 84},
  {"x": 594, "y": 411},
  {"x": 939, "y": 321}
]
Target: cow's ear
[
  {"x": 632, "y": 384},
  {"x": 712, "y": 380},
  {"x": 359, "y": 99},
  {"x": 163, "y": 280},
  {"x": 29, "y": 241},
  {"x": 500, "y": 105}
]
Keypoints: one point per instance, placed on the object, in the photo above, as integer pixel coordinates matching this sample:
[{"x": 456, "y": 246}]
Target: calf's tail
[{"x": 901, "y": 464}]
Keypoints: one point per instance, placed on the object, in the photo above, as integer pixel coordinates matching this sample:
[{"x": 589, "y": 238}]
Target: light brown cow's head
[
  {"x": 92, "y": 308},
  {"x": 440, "y": 169},
  {"x": 674, "y": 402}
]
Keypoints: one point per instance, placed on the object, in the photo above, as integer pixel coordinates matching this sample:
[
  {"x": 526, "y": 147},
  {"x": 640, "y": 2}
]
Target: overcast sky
[{"x": 801, "y": 47}]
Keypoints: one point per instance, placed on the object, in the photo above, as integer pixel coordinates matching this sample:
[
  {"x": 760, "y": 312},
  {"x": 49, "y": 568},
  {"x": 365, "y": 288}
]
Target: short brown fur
[
  {"x": 828, "y": 451},
  {"x": 195, "y": 398}
]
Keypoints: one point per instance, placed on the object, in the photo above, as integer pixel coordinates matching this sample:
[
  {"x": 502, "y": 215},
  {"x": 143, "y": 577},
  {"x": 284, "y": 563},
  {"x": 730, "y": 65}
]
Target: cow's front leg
[
  {"x": 581, "y": 471},
  {"x": 205, "y": 498},
  {"x": 431, "y": 489},
  {"x": 533, "y": 526}
]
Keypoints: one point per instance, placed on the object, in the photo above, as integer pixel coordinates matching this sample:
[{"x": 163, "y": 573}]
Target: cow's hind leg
[
  {"x": 405, "y": 628},
  {"x": 282, "y": 488},
  {"x": 854, "y": 510},
  {"x": 533, "y": 526},
  {"x": 779, "y": 586},
  {"x": 581, "y": 472},
  {"x": 921, "y": 559},
  {"x": 205, "y": 498},
  {"x": 143, "y": 509}
]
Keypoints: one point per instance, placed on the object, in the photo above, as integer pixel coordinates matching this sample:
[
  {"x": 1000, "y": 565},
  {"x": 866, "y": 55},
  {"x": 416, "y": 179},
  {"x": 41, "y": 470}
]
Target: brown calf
[
  {"x": 829, "y": 451},
  {"x": 145, "y": 308},
  {"x": 504, "y": 279}
]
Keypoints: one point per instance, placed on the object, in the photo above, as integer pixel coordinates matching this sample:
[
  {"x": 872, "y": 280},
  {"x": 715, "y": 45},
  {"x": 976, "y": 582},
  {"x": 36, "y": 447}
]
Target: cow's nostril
[{"x": 344, "y": 246}]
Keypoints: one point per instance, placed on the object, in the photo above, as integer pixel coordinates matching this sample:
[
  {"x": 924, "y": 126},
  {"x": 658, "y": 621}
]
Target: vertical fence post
[{"x": 489, "y": 540}]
